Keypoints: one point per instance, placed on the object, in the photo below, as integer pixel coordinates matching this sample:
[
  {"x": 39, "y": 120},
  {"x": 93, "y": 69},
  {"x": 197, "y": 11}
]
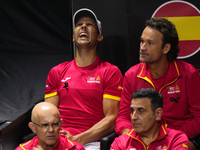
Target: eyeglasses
[{"x": 54, "y": 125}]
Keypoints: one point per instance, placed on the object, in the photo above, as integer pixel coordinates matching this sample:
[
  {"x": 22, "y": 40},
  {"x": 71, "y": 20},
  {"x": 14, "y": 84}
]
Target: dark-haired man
[
  {"x": 176, "y": 80},
  {"x": 148, "y": 131},
  {"x": 86, "y": 90}
]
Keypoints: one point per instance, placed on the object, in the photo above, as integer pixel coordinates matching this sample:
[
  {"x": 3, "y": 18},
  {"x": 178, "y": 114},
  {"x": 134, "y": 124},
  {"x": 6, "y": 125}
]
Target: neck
[
  {"x": 85, "y": 57},
  {"x": 151, "y": 135},
  {"x": 158, "y": 69}
]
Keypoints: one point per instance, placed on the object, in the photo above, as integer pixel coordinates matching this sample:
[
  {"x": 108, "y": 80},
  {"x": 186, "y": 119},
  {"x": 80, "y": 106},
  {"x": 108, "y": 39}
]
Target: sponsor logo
[
  {"x": 186, "y": 18},
  {"x": 161, "y": 148},
  {"x": 120, "y": 87},
  {"x": 47, "y": 85},
  {"x": 173, "y": 89},
  {"x": 64, "y": 80},
  {"x": 93, "y": 80}
]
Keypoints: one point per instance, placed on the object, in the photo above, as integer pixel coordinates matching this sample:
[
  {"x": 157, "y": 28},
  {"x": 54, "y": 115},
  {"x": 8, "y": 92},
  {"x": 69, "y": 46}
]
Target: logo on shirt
[
  {"x": 64, "y": 80},
  {"x": 120, "y": 88},
  {"x": 93, "y": 79},
  {"x": 173, "y": 89},
  {"x": 161, "y": 148}
]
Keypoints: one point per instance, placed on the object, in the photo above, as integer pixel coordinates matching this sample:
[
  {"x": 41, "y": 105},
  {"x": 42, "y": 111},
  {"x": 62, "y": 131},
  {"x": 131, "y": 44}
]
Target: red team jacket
[
  {"x": 167, "y": 139},
  {"x": 180, "y": 88},
  {"x": 64, "y": 144}
]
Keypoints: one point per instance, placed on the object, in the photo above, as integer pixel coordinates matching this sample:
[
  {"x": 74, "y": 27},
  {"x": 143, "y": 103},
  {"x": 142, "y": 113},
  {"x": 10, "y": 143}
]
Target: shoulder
[
  {"x": 176, "y": 139},
  {"x": 122, "y": 138},
  {"x": 62, "y": 66},
  {"x": 188, "y": 71},
  {"x": 135, "y": 69},
  {"x": 109, "y": 68},
  {"x": 174, "y": 134},
  {"x": 28, "y": 145},
  {"x": 107, "y": 65},
  {"x": 69, "y": 143},
  {"x": 122, "y": 141},
  {"x": 185, "y": 67}
]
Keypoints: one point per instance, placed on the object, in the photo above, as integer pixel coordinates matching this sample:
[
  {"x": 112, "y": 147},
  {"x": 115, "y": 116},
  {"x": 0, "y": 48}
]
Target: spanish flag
[{"x": 186, "y": 18}]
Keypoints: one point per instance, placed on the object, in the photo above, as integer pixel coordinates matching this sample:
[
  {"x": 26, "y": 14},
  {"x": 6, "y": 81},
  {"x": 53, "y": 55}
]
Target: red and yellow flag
[{"x": 186, "y": 18}]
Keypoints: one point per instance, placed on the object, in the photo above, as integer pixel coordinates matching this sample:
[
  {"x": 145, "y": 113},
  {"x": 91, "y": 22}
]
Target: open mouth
[{"x": 83, "y": 35}]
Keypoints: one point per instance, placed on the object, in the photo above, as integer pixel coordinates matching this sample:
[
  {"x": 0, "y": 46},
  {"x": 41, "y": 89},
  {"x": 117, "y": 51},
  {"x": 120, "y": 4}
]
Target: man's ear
[
  {"x": 32, "y": 127},
  {"x": 167, "y": 48},
  {"x": 158, "y": 113},
  {"x": 100, "y": 38},
  {"x": 61, "y": 121}
]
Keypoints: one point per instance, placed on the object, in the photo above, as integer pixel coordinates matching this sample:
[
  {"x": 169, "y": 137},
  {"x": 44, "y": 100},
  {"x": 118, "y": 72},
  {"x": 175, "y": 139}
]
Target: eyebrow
[
  {"x": 146, "y": 40},
  {"x": 137, "y": 107}
]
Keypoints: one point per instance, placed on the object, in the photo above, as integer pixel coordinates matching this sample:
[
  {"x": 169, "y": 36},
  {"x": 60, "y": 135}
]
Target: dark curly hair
[{"x": 169, "y": 33}]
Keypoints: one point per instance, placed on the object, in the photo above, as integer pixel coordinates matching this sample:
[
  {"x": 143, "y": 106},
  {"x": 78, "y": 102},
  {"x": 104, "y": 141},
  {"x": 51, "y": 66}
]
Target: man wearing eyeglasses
[{"x": 46, "y": 124}]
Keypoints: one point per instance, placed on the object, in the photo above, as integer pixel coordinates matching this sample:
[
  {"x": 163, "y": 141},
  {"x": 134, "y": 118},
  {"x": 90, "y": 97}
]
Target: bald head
[
  {"x": 44, "y": 109},
  {"x": 46, "y": 123}
]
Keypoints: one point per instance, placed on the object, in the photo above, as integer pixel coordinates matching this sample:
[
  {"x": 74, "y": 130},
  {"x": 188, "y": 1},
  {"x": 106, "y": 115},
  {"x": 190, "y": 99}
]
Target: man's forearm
[{"x": 97, "y": 132}]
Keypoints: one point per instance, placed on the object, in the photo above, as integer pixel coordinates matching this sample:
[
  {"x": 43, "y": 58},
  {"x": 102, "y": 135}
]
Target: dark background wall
[
  {"x": 34, "y": 37},
  {"x": 37, "y": 35}
]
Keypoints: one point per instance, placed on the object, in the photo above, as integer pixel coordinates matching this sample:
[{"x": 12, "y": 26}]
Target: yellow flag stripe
[{"x": 188, "y": 28}]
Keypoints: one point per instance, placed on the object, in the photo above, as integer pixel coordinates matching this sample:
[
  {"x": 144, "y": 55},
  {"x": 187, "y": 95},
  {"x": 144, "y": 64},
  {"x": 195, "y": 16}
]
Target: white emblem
[{"x": 66, "y": 79}]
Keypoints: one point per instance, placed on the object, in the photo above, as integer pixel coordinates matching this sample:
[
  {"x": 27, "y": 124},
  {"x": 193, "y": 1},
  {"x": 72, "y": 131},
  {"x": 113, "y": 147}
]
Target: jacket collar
[
  {"x": 162, "y": 133},
  {"x": 172, "y": 74}
]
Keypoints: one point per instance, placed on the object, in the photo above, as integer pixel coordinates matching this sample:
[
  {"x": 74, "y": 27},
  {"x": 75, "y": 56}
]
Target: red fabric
[
  {"x": 80, "y": 105},
  {"x": 181, "y": 104},
  {"x": 167, "y": 139},
  {"x": 64, "y": 144}
]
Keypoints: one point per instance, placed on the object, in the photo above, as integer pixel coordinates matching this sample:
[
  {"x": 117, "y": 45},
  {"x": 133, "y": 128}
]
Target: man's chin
[
  {"x": 137, "y": 131},
  {"x": 143, "y": 60},
  {"x": 52, "y": 141},
  {"x": 137, "y": 127}
]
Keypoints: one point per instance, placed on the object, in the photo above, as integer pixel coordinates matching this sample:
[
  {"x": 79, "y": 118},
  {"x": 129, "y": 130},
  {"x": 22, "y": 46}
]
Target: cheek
[
  {"x": 41, "y": 132},
  {"x": 41, "y": 135},
  {"x": 57, "y": 132},
  {"x": 156, "y": 55},
  {"x": 149, "y": 123}
]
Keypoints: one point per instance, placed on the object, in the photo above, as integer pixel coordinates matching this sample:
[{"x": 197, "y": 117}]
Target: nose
[
  {"x": 143, "y": 46},
  {"x": 84, "y": 26},
  {"x": 134, "y": 116},
  {"x": 50, "y": 128}
]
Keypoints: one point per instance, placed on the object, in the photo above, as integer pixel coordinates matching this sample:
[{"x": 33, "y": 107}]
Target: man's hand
[
  {"x": 75, "y": 138},
  {"x": 125, "y": 131},
  {"x": 67, "y": 133},
  {"x": 38, "y": 148}
]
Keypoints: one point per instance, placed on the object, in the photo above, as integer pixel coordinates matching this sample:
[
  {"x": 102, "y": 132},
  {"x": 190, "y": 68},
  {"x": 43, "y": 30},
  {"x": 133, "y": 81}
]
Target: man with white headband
[{"x": 87, "y": 89}]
